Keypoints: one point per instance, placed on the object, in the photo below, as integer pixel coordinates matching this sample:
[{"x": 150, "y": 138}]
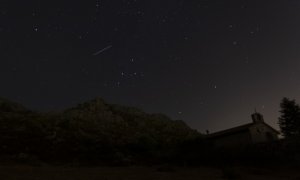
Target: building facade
[{"x": 256, "y": 132}]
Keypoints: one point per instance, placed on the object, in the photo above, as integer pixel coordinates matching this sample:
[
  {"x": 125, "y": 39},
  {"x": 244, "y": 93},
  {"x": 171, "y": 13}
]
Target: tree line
[{"x": 96, "y": 132}]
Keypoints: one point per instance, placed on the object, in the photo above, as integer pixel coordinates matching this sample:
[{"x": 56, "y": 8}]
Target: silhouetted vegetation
[
  {"x": 289, "y": 120},
  {"x": 93, "y": 131},
  {"x": 98, "y": 133}
]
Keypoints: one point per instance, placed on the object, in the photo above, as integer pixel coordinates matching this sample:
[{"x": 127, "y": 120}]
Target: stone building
[{"x": 252, "y": 133}]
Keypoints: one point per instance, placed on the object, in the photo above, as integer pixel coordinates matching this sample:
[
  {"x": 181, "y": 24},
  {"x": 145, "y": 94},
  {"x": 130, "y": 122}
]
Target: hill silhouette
[
  {"x": 9, "y": 106},
  {"x": 92, "y": 131}
]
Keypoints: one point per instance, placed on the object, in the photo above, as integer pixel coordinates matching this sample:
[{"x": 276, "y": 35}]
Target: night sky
[{"x": 207, "y": 62}]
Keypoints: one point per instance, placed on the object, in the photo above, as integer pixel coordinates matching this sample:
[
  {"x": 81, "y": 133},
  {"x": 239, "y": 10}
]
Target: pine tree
[{"x": 289, "y": 120}]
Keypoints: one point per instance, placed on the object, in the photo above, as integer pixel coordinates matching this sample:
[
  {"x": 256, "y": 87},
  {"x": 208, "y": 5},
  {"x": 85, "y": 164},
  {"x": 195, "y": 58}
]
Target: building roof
[
  {"x": 276, "y": 131},
  {"x": 236, "y": 130},
  {"x": 230, "y": 131}
]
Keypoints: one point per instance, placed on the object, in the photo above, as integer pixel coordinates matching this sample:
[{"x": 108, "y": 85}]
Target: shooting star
[{"x": 102, "y": 50}]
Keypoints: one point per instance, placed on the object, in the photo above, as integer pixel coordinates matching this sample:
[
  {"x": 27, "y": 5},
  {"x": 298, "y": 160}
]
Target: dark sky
[{"x": 208, "y": 62}]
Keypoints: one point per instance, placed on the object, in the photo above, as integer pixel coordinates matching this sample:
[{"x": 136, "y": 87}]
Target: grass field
[{"x": 21, "y": 172}]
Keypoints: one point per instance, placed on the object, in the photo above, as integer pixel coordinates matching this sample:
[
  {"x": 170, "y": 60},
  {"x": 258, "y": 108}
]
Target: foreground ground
[{"x": 21, "y": 172}]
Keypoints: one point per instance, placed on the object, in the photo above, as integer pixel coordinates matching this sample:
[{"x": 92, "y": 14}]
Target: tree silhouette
[{"x": 289, "y": 120}]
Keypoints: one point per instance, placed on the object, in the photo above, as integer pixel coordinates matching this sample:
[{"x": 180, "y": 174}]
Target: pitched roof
[
  {"x": 237, "y": 129},
  {"x": 230, "y": 131},
  {"x": 272, "y": 128}
]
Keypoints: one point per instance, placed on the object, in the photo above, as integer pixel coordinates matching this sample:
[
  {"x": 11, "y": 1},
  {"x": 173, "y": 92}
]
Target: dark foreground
[{"x": 21, "y": 172}]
